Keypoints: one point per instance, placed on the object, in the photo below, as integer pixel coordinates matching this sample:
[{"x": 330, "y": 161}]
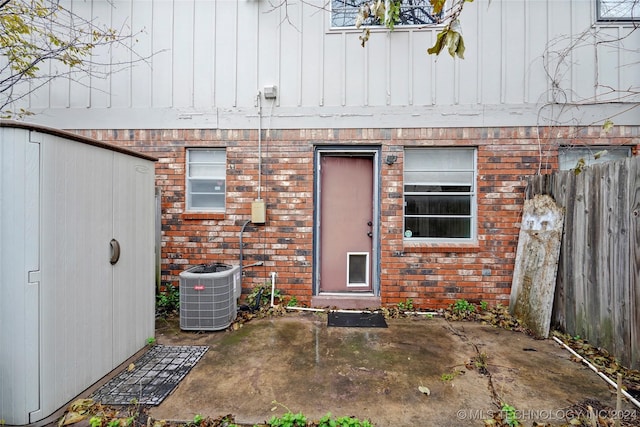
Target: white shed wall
[
  {"x": 68, "y": 315},
  {"x": 212, "y": 57}
]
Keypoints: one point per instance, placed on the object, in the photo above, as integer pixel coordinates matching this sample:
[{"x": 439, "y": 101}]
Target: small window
[
  {"x": 206, "y": 179},
  {"x": 416, "y": 12},
  {"x": 577, "y": 157},
  {"x": 440, "y": 194},
  {"x": 618, "y": 10}
]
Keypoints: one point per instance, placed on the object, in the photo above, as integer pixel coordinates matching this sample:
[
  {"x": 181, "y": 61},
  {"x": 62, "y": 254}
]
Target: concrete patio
[{"x": 374, "y": 373}]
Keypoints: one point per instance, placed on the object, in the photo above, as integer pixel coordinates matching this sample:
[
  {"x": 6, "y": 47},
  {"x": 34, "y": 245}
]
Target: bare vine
[{"x": 557, "y": 62}]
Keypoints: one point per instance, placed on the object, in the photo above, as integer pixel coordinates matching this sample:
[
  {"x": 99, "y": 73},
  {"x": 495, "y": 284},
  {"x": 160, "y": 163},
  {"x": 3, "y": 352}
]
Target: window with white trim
[
  {"x": 618, "y": 10},
  {"x": 578, "y": 157},
  {"x": 416, "y": 12},
  {"x": 206, "y": 179},
  {"x": 440, "y": 194}
]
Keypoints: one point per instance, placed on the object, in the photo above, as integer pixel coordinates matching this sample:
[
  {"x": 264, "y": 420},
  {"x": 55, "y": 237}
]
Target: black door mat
[
  {"x": 356, "y": 320},
  {"x": 154, "y": 375}
]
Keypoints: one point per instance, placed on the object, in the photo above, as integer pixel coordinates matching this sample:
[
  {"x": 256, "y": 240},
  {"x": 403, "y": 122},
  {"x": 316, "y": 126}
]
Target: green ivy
[{"x": 168, "y": 302}]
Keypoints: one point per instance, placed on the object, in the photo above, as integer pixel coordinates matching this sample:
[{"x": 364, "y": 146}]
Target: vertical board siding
[
  {"x": 399, "y": 75},
  {"x": 120, "y": 84},
  {"x": 249, "y": 46},
  {"x": 597, "y": 293},
  {"x": 290, "y": 53},
  {"x": 162, "y": 60},
  {"x": 422, "y": 71},
  {"x": 183, "y": 56},
  {"x": 513, "y": 24},
  {"x": 608, "y": 57},
  {"x": 204, "y": 54},
  {"x": 629, "y": 58},
  {"x": 213, "y": 56},
  {"x": 141, "y": 83},
  {"x": 266, "y": 51},
  {"x": 100, "y": 83}
]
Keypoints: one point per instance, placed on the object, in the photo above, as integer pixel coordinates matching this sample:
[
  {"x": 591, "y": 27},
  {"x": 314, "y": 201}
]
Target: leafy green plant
[
  {"x": 406, "y": 305},
  {"x": 95, "y": 421},
  {"x": 352, "y": 422},
  {"x": 114, "y": 423},
  {"x": 484, "y": 305},
  {"x": 168, "y": 302},
  {"x": 510, "y": 415},
  {"x": 293, "y": 301},
  {"x": 151, "y": 341},
  {"x": 265, "y": 295},
  {"x": 449, "y": 376},
  {"x": 462, "y": 306},
  {"x": 289, "y": 419},
  {"x": 197, "y": 419}
]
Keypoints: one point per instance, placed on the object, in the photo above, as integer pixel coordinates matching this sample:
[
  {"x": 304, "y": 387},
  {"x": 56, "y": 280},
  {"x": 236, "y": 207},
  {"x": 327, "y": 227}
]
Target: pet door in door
[{"x": 358, "y": 269}]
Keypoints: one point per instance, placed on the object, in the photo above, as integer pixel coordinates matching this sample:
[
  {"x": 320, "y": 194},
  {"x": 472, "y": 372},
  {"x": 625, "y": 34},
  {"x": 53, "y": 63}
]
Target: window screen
[
  {"x": 439, "y": 194},
  {"x": 206, "y": 179},
  {"x": 618, "y": 10},
  {"x": 415, "y": 12}
]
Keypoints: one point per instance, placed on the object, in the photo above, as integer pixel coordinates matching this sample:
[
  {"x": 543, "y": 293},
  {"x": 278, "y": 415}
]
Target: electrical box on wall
[
  {"x": 258, "y": 211},
  {"x": 270, "y": 92}
]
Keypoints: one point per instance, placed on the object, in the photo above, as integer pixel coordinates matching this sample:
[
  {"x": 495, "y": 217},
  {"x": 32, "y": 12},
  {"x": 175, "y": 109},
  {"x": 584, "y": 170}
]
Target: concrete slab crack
[{"x": 477, "y": 362}]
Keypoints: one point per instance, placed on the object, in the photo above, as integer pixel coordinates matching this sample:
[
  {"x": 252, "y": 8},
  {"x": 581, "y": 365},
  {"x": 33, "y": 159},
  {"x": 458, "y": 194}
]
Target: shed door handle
[{"x": 115, "y": 251}]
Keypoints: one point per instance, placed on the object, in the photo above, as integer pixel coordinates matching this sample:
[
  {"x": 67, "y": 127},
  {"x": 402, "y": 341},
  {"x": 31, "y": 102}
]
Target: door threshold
[{"x": 346, "y": 301}]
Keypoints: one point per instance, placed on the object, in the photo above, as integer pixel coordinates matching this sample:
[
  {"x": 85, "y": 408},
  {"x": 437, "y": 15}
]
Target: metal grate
[{"x": 154, "y": 376}]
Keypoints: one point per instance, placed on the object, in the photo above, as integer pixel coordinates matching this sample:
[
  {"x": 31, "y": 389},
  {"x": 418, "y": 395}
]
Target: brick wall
[{"x": 432, "y": 275}]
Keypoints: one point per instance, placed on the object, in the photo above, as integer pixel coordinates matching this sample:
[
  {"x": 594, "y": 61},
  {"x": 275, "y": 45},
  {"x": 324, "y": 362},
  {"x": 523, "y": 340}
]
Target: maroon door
[{"x": 346, "y": 217}]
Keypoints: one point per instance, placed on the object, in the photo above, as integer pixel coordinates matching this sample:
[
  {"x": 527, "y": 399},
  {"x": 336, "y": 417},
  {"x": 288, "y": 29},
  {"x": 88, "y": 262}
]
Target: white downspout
[{"x": 273, "y": 285}]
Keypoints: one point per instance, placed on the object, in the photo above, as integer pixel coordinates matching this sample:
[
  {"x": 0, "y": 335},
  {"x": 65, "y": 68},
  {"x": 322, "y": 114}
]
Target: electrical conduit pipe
[
  {"x": 273, "y": 290},
  {"x": 594, "y": 369}
]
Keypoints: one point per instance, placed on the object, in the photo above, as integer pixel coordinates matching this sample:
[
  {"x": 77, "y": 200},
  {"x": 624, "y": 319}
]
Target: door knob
[
  {"x": 369, "y": 223},
  {"x": 370, "y": 234}
]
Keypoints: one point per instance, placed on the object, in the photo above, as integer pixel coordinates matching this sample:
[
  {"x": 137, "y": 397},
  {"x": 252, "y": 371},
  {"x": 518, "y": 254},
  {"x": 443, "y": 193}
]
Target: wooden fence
[{"x": 598, "y": 283}]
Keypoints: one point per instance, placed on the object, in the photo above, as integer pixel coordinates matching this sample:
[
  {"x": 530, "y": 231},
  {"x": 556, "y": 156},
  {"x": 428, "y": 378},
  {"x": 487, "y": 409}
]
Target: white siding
[{"x": 212, "y": 57}]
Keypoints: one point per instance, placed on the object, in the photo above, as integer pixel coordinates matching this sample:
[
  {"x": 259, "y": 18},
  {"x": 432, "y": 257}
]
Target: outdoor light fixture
[{"x": 391, "y": 160}]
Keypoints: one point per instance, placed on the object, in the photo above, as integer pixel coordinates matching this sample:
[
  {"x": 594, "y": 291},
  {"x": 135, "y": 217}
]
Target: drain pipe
[
  {"x": 241, "y": 233},
  {"x": 594, "y": 369},
  {"x": 273, "y": 285}
]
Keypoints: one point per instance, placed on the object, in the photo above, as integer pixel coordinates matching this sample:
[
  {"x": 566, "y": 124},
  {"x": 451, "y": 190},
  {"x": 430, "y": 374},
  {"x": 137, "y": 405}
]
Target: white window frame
[
  {"x": 372, "y": 26},
  {"x": 472, "y": 194},
  {"x": 189, "y": 205},
  {"x": 617, "y": 10}
]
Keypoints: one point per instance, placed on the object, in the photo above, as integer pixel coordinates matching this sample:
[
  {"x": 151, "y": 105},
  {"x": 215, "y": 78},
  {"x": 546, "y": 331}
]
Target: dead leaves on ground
[
  {"x": 100, "y": 415},
  {"x": 496, "y": 316}
]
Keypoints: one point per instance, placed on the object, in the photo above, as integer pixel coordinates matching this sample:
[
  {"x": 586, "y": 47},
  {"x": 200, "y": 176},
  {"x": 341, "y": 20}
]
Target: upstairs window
[
  {"x": 206, "y": 179},
  {"x": 414, "y": 12},
  {"x": 440, "y": 194},
  {"x": 618, "y": 10}
]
